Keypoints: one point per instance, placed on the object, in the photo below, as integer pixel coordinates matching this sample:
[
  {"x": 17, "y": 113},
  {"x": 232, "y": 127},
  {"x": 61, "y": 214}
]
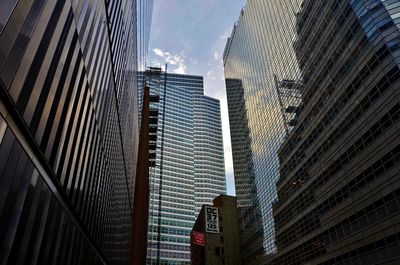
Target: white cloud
[
  {"x": 175, "y": 61},
  {"x": 217, "y": 56},
  {"x": 158, "y": 52},
  {"x": 211, "y": 75},
  {"x": 170, "y": 61},
  {"x": 181, "y": 69},
  {"x": 226, "y": 35}
]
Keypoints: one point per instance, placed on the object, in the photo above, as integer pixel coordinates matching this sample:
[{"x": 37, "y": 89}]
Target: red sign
[{"x": 198, "y": 238}]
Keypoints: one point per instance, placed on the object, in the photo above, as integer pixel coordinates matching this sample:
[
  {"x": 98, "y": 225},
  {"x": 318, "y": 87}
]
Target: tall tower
[
  {"x": 68, "y": 131},
  {"x": 313, "y": 103},
  {"x": 144, "y": 18},
  {"x": 209, "y": 165},
  {"x": 188, "y": 167},
  {"x": 253, "y": 66},
  {"x": 340, "y": 165}
]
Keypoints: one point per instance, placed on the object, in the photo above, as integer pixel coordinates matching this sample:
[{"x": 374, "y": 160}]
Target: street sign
[
  {"x": 198, "y": 238},
  {"x": 212, "y": 222}
]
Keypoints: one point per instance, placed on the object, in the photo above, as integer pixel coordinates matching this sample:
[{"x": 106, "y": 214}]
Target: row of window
[
  {"x": 311, "y": 221},
  {"x": 168, "y": 230},
  {"x": 384, "y": 250},
  {"x": 294, "y": 207},
  {"x": 353, "y": 32},
  {"x": 341, "y": 102},
  {"x": 362, "y": 107},
  {"x": 64, "y": 89}
]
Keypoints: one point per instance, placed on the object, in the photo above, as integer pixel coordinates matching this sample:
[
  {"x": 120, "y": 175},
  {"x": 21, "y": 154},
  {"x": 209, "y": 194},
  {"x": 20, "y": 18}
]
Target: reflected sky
[{"x": 261, "y": 47}]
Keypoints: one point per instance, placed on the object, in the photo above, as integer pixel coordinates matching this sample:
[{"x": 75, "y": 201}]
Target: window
[{"x": 217, "y": 251}]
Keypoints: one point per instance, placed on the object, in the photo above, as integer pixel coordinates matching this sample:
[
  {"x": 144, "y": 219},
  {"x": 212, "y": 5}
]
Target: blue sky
[{"x": 190, "y": 36}]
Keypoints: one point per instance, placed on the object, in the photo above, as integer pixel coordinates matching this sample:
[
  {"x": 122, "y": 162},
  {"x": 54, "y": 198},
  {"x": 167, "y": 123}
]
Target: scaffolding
[
  {"x": 153, "y": 75},
  {"x": 290, "y": 101},
  {"x": 156, "y": 80}
]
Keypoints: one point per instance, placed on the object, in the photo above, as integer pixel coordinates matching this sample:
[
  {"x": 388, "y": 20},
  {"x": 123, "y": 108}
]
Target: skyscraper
[
  {"x": 189, "y": 163},
  {"x": 209, "y": 165},
  {"x": 316, "y": 83},
  {"x": 144, "y": 18},
  {"x": 68, "y": 131},
  {"x": 338, "y": 192},
  {"x": 251, "y": 59}
]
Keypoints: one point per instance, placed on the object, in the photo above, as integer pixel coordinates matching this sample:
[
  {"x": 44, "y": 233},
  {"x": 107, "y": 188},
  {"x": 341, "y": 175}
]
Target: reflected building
[
  {"x": 320, "y": 86},
  {"x": 251, "y": 227},
  {"x": 188, "y": 162},
  {"x": 68, "y": 131},
  {"x": 254, "y": 65}
]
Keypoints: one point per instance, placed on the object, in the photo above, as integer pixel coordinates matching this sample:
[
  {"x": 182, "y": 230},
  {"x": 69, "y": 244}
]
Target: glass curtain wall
[
  {"x": 189, "y": 163},
  {"x": 313, "y": 109},
  {"x": 68, "y": 130}
]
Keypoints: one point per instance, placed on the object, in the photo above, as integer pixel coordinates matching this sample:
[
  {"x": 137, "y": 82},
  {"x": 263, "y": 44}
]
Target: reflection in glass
[{"x": 327, "y": 138}]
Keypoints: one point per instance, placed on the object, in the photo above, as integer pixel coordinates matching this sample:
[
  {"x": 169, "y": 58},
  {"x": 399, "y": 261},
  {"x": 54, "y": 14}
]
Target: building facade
[
  {"x": 252, "y": 64},
  {"x": 209, "y": 165},
  {"x": 186, "y": 164},
  {"x": 223, "y": 246},
  {"x": 316, "y": 83},
  {"x": 144, "y": 18},
  {"x": 340, "y": 166},
  {"x": 68, "y": 131}
]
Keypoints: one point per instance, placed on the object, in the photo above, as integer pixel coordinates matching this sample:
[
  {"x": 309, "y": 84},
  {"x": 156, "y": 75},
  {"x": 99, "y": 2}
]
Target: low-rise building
[{"x": 215, "y": 235}]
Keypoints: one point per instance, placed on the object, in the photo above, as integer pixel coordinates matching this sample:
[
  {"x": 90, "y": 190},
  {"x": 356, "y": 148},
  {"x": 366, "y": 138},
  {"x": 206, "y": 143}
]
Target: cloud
[
  {"x": 217, "y": 56},
  {"x": 226, "y": 35},
  {"x": 177, "y": 61},
  {"x": 158, "y": 52},
  {"x": 171, "y": 61},
  {"x": 211, "y": 75},
  {"x": 181, "y": 69}
]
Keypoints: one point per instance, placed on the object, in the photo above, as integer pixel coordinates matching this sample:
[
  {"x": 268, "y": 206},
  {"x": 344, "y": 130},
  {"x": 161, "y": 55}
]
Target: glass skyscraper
[
  {"x": 209, "y": 165},
  {"x": 144, "y": 18},
  {"x": 189, "y": 163},
  {"x": 68, "y": 130},
  {"x": 251, "y": 59},
  {"x": 314, "y": 110}
]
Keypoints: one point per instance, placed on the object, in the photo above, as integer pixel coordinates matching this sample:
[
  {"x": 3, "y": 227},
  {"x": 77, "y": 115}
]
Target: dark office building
[
  {"x": 339, "y": 186},
  {"x": 221, "y": 246},
  {"x": 320, "y": 82},
  {"x": 68, "y": 131}
]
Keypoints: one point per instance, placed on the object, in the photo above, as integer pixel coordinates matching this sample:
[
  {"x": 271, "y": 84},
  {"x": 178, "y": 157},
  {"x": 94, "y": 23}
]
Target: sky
[{"x": 190, "y": 36}]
